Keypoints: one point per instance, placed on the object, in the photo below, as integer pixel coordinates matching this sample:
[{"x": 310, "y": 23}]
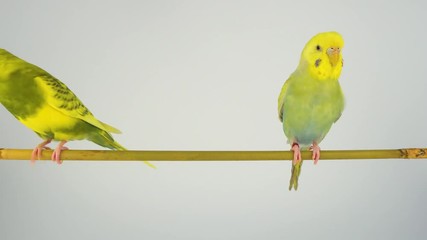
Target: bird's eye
[{"x": 318, "y": 48}]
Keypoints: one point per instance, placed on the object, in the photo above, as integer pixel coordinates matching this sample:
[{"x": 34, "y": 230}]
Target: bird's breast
[{"x": 309, "y": 112}]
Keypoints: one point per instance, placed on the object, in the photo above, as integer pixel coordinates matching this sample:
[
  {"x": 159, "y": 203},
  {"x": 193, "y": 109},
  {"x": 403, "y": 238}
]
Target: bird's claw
[
  {"x": 56, "y": 155},
  {"x": 316, "y": 152},
  {"x": 297, "y": 153},
  {"x": 37, "y": 152}
]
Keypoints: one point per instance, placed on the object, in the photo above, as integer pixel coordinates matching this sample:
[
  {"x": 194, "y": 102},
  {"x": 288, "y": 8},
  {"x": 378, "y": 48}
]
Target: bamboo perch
[{"x": 107, "y": 155}]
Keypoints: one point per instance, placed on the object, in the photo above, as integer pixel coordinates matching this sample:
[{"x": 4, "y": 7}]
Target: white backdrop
[{"x": 205, "y": 75}]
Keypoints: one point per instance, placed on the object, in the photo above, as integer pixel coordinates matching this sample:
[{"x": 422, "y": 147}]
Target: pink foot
[
  {"x": 37, "y": 152},
  {"x": 297, "y": 153},
  {"x": 316, "y": 152},
  {"x": 56, "y": 155}
]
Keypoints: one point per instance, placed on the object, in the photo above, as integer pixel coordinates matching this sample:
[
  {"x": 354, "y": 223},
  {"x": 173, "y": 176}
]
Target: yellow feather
[
  {"x": 310, "y": 55},
  {"x": 49, "y": 119},
  {"x": 76, "y": 110}
]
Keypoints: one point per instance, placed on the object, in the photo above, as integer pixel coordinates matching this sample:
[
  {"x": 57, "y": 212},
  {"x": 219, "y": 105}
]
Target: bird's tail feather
[
  {"x": 296, "y": 170},
  {"x": 104, "y": 139},
  {"x": 110, "y": 128}
]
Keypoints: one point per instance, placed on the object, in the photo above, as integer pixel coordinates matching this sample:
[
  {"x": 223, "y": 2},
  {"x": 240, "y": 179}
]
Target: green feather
[{"x": 295, "y": 171}]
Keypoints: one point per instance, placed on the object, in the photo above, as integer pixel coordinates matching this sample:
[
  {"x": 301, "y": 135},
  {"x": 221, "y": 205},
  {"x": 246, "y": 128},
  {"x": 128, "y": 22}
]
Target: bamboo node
[{"x": 414, "y": 153}]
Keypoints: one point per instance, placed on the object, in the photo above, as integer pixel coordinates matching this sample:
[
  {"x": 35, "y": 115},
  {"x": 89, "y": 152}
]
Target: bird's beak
[{"x": 334, "y": 55}]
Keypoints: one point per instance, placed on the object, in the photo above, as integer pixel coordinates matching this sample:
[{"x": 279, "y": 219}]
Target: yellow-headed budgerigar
[
  {"x": 48, "y": 107},
  {"x": 311, "y": 99}
]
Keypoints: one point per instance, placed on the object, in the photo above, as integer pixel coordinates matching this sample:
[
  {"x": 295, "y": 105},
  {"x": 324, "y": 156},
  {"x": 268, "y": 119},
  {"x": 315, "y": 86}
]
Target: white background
[{"x": 205, "y": 75}]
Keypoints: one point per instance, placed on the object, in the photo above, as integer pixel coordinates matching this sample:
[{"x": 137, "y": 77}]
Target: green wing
[
  {"x": 60, "y": 97},
  {"x": 281, "y": 100}
]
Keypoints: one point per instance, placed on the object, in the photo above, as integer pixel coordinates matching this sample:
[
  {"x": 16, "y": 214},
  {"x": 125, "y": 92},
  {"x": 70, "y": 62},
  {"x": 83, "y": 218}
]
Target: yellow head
[{"x": 322, "y": 56}]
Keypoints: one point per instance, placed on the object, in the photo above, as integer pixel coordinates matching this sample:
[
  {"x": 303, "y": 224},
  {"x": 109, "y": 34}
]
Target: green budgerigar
[
  {"x": 311, "y": 99},
  {"x": 48, "y": 107}
]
